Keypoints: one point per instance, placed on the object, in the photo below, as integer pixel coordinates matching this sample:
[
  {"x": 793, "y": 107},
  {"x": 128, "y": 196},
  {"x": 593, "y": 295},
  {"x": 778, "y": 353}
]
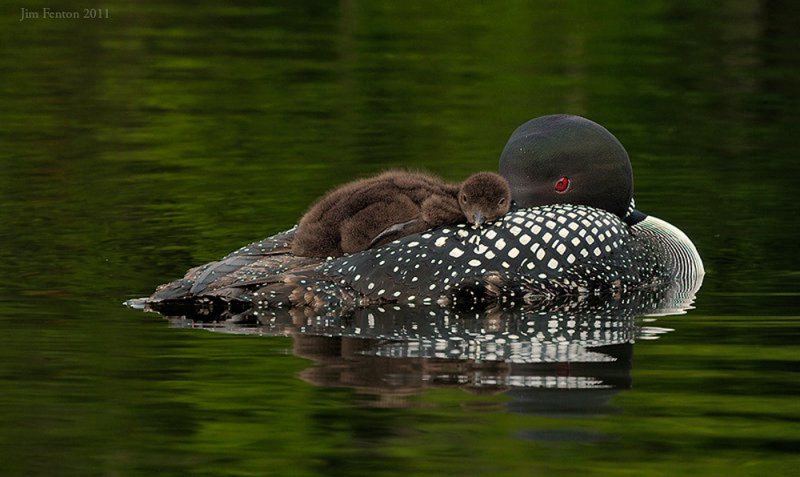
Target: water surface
[{"x": 135, "y": 147}]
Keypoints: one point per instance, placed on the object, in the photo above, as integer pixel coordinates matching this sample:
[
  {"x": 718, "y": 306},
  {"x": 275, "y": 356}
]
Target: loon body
[
  {"x": 564, "y": 241},
  {"x": 376, "y": 210},
  {"x": 530, "y": 255}
]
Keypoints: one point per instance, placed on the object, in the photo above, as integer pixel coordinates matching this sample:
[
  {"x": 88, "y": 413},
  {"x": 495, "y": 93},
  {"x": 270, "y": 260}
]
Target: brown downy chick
[
  {"x": 484, "y": 196},
  {"x": 377, "y": 210}
]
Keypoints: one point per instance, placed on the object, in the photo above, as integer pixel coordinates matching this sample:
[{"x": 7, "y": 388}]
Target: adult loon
[{"x": 574, "y": 231}]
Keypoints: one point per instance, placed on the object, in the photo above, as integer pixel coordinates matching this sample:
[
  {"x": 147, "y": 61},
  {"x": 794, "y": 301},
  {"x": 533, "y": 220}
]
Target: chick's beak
[{"x": 478, "y": 219}]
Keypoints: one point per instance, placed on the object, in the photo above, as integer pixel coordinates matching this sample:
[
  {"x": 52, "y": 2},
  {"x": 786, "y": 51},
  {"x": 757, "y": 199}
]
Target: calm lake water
[{"x": 165, "y": 136}]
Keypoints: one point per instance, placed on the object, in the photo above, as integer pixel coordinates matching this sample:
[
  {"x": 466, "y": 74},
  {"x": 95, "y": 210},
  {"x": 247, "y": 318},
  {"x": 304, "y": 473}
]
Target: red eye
[{"x": 562, "y": 184}]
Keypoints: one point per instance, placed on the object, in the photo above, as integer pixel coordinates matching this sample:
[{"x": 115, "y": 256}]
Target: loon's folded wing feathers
[
  {"x": 218, "y": 275},
  {"x": 276, "y": 244},
  {"x": 393, "y": 230}
]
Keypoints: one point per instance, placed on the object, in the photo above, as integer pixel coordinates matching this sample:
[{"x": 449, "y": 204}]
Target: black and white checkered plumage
[
  {"x": 527, "y": 256},
  {"x": 550, "y": 249}
]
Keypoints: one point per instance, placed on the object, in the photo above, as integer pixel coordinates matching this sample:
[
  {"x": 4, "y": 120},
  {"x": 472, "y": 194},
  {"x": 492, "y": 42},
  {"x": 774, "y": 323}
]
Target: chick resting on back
[{"x": 374, "y": 211}]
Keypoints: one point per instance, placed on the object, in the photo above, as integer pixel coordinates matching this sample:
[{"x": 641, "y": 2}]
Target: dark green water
[{"x": 167, "y": 135}]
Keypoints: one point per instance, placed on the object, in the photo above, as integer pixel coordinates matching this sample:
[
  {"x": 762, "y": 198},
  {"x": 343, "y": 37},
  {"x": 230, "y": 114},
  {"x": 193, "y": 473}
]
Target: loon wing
[
  {"x": 215, "y": 275},
  {"x": 392, "y": 230}
]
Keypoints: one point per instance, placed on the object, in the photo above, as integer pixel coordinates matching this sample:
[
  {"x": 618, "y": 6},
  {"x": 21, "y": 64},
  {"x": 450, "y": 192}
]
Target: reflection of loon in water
[{"x": 566, "y": 357}]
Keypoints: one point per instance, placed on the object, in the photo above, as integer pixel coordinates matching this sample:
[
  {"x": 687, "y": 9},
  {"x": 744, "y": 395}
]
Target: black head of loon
[{"x": 566, "y": 159}]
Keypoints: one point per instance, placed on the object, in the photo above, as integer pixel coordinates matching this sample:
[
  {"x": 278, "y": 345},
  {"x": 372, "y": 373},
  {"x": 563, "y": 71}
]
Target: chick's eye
[
  {"x": 502, "y": 201},
  {"x": 562, "y": 184},
  {"x": 463, "y": 197}
]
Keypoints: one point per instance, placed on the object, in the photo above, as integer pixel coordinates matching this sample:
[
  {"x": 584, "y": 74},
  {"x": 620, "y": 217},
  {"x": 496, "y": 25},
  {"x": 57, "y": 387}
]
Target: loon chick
[{"x": 374, "y": 211}]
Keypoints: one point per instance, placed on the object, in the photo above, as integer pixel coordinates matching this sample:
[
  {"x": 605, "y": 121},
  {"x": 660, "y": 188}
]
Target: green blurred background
[{"x": 136, "y": 146}]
